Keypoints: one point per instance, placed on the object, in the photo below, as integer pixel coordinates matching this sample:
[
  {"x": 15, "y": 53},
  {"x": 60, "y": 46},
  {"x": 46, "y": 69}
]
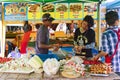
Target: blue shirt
[{"x": 108, "y": 45}]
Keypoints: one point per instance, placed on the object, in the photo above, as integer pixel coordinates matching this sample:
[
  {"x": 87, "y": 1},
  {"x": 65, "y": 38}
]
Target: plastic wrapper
[{"x": 51, "y": 66}]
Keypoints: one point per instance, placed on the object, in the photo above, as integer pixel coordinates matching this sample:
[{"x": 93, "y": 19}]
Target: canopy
[
  {"x": 114, "y": 4},
  {"x": 50, "y": 1}
]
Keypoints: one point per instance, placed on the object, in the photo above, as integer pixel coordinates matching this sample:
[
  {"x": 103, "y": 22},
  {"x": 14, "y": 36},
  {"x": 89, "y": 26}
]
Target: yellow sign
[
  {"x": 93, "y": 14},
  {"x": 76, "y": 10},
  {"x": 90, "y": 9},
  {"x": 34, "y": 11},
  {"x": 36, "y": 15},
  {"x": 76, "y": 14},
  {"x": 61, "y": 15},
  {"x": 51, "y": 13}
]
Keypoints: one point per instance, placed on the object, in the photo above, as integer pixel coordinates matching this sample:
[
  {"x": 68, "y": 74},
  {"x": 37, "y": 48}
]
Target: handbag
[{"x": 108, "y": 58}]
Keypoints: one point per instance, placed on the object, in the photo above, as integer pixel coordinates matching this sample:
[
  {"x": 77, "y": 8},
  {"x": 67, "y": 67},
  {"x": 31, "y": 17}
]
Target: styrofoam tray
[
  {"x": 19, "y": 72},
  {"x": 104, "y": 75}
]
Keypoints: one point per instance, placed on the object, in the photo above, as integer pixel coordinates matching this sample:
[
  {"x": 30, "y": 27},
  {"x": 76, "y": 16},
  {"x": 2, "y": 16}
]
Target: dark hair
[
  {"x": 37, "y": 26},
  {"x": 27, "y": 27},
  {"x": 47, "y": 17},
  {"x": 89, "y": 20},
  {"x": 111, "y": 17}
]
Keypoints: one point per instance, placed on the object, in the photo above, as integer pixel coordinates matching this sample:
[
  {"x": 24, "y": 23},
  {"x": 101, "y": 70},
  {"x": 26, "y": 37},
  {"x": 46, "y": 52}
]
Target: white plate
[
  {"x": 104, "y": 75},
  {"x": 19, "y": 72}
]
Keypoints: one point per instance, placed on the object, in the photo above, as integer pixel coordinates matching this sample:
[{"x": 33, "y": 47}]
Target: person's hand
[
  {"x": 78, "y": 48},
  {"x": 56, "y": 47},
  {"x": 95, "y": 58}
]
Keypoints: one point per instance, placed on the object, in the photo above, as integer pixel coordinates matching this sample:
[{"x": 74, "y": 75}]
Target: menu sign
[
  {"x": 61, "y": 11},
  {"x": 15, "y": 11},
  {"x": 75, "y": 10},
  {"x": 48, "y": 8},
  {"x": 34, "y": 11},
  {"x": 0, "y": 11},
  {"x": 90, "y": 9}
]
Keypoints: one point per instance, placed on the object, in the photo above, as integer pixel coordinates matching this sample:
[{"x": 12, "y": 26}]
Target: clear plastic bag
[{"x": 14, "y": 54}]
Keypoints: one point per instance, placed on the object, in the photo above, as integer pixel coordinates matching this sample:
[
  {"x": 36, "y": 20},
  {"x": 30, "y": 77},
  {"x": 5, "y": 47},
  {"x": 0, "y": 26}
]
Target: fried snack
[{"x": 100, "y": 69}]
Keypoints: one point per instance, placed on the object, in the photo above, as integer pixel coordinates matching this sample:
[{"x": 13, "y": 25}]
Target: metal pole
[{"x": 99, "y": 23}]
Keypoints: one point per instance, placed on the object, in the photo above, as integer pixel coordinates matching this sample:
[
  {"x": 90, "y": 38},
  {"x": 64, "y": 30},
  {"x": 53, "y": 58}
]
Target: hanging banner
[
  {"x": 90, "y": 9},
  {"x": 34, "y": 11},
  {"x": 15, "y": 11},
  {"x": 61, "y": 11},
  {"x": 48, "y": 8},
  {"x": 76, "y": 10}
]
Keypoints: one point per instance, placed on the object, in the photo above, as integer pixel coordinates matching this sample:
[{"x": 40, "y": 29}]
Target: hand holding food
[
  {"x": 56, "y": 47},
  {"x": 78, "y": 49}
]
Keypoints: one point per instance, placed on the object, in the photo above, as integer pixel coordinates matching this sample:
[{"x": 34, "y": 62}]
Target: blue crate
[
  {"x": 67, "y": 49},
  {"x": 46, "y": 56}
]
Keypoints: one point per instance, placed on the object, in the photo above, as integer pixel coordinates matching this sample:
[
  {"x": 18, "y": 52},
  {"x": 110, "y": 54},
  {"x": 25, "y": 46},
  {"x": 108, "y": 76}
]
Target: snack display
[
  {"x": 17, "y": 66},
  {"x": 4, "y": 60},
  {"x": 91, "y": 62},
  {"x": 100, "y": 69},
  {"x": 48, "y": 8},
  {"x": 73, "y": 68}
]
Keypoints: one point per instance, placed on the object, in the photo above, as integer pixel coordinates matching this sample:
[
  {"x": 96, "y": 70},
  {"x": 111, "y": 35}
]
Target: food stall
[
  {"x": 63, "y": 11},
  {"x": 62, "y": 65}
]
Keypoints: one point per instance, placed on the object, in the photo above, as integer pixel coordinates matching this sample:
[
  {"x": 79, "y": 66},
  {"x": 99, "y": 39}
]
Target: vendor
[
  {"x": 42, "y": 41},
  {"x": 84, "y": 37}
]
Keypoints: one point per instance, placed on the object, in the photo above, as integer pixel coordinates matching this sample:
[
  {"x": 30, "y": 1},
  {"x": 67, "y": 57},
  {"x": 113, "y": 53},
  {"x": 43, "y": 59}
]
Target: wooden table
[{"x": 39, "y": 76}]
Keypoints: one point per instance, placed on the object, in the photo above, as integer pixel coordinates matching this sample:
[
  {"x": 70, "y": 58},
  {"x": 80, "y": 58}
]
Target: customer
[
  {"x": 84, "y": 37},
  {"x": 26, "y": 37},
  {"x": 42, "y": 41},
  {"x": 73, "y": 27},
  {"x": 109, "y": 41}
]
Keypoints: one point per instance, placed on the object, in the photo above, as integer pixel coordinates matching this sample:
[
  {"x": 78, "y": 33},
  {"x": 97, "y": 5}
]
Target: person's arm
[
  {"x": 105, "y": 49},
  {"x": 102, "y": 53}
]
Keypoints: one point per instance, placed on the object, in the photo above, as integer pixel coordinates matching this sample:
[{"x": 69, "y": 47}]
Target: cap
[{"x": 47, "y": 17}]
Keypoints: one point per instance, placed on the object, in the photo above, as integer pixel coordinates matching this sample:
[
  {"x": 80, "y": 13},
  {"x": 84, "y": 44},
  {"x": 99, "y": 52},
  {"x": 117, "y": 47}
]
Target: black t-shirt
[{"x": 84, "y": 38}]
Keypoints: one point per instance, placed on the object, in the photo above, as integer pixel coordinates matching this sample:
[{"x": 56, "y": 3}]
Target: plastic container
[
  {"x": 46, "y": 56},
  {"x": 67, "y": 49}
]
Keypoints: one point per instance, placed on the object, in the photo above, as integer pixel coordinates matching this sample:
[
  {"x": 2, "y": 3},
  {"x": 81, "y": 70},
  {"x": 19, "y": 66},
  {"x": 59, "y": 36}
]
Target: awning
[{"x": 56, "y": 1}]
